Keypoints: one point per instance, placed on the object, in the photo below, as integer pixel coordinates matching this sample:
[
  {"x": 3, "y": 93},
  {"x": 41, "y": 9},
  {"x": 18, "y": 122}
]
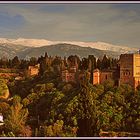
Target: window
[{"x": 106, "y": 77}]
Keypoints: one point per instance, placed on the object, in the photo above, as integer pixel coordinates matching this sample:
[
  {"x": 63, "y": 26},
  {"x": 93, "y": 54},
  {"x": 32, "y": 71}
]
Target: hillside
[
  {"x": 44, "y": 42},
  {"x": 26, "y": 48},
  {"x": 65, "y": 50},
  {"x": 10, "y": 50}
]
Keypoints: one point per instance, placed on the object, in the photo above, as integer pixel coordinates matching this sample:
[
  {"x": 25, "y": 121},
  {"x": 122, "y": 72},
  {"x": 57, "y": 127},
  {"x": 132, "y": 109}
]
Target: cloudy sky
[{"x": 111, "y": 23}]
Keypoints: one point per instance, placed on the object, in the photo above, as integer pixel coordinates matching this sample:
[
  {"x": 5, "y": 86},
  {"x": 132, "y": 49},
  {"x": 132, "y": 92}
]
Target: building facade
[
  {"x": 69, "y": 75},
  {"x": 96, "y": 76},
  {"x": 130, "y": 69},
  {"x": 33, "y": 70},
  {"x": 99, "y": 77},
  {"x": 126, "y": 69},
  {"x": 127, "y": 72}
]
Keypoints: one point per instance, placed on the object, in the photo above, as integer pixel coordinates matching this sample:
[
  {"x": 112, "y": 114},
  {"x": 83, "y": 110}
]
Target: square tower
[
  {"x": 130, "y": 69},
  {"x": 136, "y": 69}
]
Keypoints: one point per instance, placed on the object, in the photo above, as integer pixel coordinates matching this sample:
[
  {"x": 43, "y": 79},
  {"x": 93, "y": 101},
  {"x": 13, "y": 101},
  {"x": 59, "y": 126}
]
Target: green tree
[
  {"x": 105, "y": 62},
  {"x": 24, "y": 64},
  {"x": 4, "y": 108},
  {"x": 58, "y": 129},
  {"x": 15, "y": 62},
  {"x": 4, "y": 91},
  {"x": 16, "y": 118},
  {"x": 25, "y": 102},
  {"x": 99, "y": 64},
  {"x": 33, "y": 61},
  {"x": 84, "y": 64},
  {"x": 87, "y": 115}
]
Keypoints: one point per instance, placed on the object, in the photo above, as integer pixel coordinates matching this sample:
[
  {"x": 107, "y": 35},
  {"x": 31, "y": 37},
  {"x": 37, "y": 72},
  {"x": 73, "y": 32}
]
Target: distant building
[
  {"x": 106, "y": 75},
  {"x": 96, "y": 76},
  {"x": 69, "y": 75},
  {"x": 1, "y": 119},
  {"x": 127, "y": 72},
  {"x": 33, "y": 70},
  {"x": 99, "y": 77},
  {"x": 130, "y": 69},
  {"x": 69, "y": 71},
  {"x": 65, "y": 76}
]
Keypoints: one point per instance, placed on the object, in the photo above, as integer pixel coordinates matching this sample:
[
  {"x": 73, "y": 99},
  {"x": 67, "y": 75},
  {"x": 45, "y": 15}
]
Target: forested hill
[{"x": 47, "y": 107}]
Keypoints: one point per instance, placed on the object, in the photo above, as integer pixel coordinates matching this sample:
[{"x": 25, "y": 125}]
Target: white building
[{"x": 1, "y": 119}]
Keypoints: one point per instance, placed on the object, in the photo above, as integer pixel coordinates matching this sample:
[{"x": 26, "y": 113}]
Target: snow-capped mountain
[
  {"x": 26, "y": 42},
  {"x": 44, "y": 42}
]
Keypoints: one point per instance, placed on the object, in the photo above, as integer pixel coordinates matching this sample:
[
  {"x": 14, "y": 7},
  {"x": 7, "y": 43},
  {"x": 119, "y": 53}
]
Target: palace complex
[{"x": 127, "y": 72}]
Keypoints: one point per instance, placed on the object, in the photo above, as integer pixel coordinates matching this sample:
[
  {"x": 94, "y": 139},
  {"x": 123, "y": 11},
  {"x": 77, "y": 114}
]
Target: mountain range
[{"x": 26, "y": 48}]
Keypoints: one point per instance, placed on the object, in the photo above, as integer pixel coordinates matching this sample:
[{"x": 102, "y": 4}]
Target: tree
[
  {"x": 99, "y": 64},
  {"x": 3, "y": 62},
  {"x": 33, "y": 61},
  {"x": 4, "y": 108},
  {"x": 87, "y": 115},
  {"x": 105, "y": 62},
  {"x": 43, "y": 65},
  {"x": 93, "y": 60},
  {"x": 73, "y": 60},
  {"x": 25, "y": 102},
  {"x": 16, "y": 118},
  {"x": 24, "y": 64},
  {"x": 58, "y": 129},
  {"x": 84, "y": 64},
  {"x": 108, "y": 85},
  {"x": 15, "y": 62},
  {"x": 4, "y": 91}
]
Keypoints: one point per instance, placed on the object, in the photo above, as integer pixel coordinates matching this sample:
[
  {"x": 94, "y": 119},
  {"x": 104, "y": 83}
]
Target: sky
[{"x": 118, "y": 24}]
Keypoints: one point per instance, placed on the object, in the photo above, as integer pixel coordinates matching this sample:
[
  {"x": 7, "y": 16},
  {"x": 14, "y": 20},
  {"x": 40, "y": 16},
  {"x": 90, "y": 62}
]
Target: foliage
[
  {"x": 58, "y": 129},
  {"x": 9, "y": 134},
  {"x": 4, "y": 92},
  {"x": 16, "y": 118},
  {"x": 4, "y": 107},
  {"x": 47, "y": 106}
]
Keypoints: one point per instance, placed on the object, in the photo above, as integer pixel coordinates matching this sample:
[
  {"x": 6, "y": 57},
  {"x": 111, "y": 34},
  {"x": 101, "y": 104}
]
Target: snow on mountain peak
[{"x": 44, "y": 42}]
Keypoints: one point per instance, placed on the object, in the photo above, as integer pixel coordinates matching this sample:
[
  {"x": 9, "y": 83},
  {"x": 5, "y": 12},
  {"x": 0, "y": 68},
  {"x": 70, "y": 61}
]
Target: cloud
[
  {"x": 7, "y": 21},
  {"x": 112, "y": 23}
]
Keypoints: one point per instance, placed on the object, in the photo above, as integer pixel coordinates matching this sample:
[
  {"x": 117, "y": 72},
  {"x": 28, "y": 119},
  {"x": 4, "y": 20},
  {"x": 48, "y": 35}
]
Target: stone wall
[
  {"x": 126, "y": 69},
  {"x": 96, "y": 77},
  {"x": 105, "y": 76}
]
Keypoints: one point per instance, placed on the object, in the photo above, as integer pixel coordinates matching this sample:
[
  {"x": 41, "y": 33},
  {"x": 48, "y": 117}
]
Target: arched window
[{"x": 124, "y": 73}]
